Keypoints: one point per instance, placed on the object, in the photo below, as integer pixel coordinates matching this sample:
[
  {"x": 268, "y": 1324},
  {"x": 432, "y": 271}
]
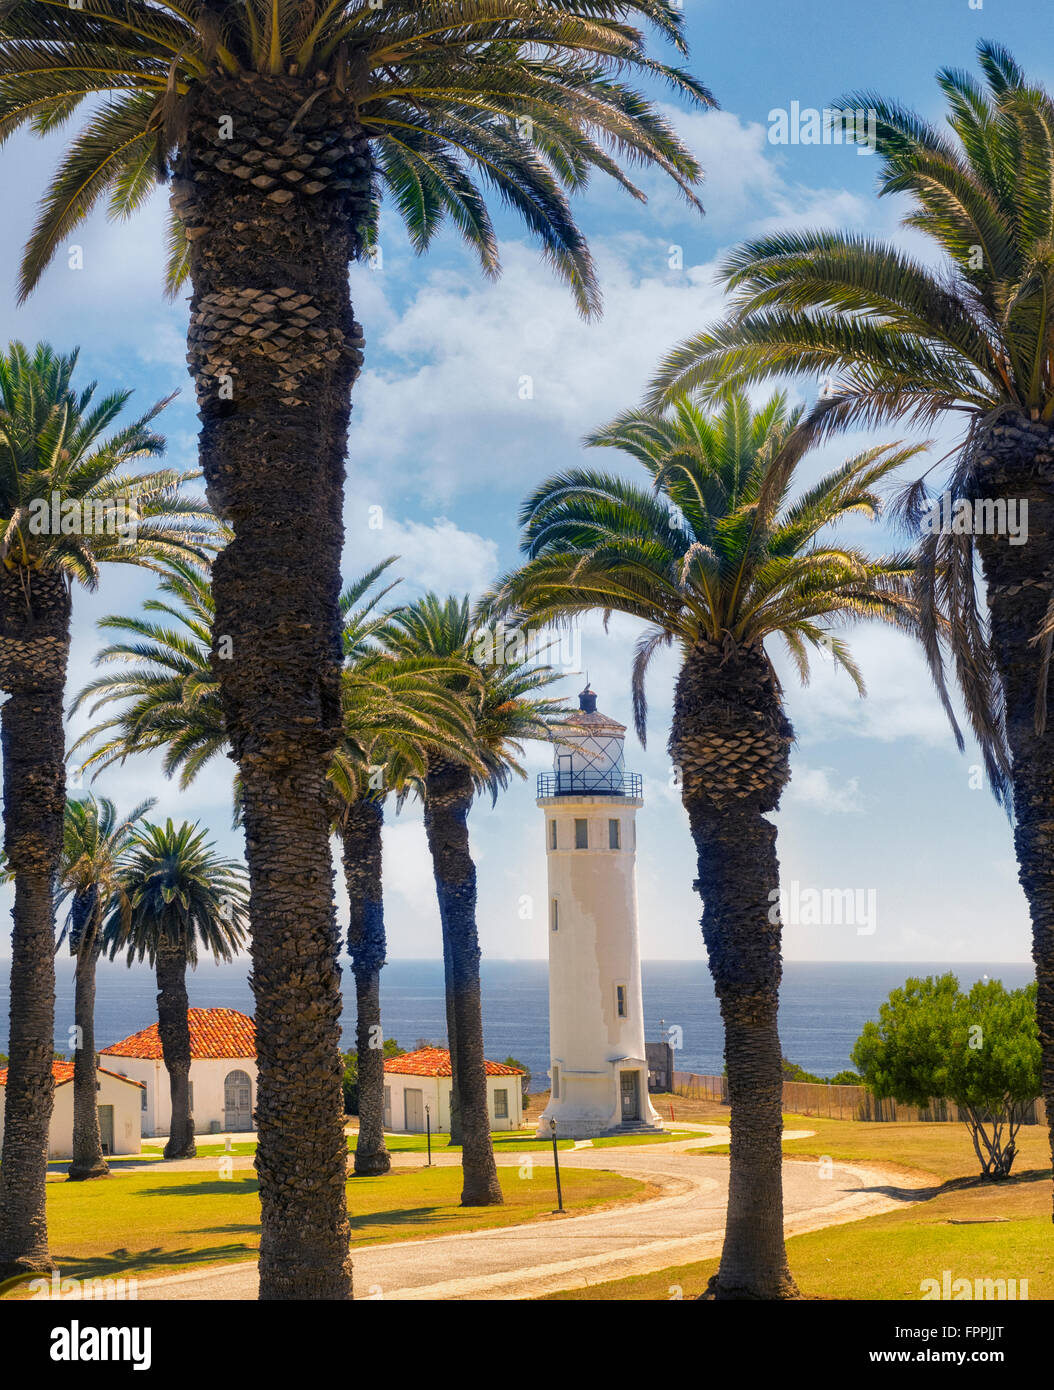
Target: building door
[
  {"x": 106, "y": 1128},
  {"x": 630, "y": 1083},
  {"x": 415, "y": 1111},
  {"x": 563, "y": 772},
  {"x": 237, "y": 1101}
]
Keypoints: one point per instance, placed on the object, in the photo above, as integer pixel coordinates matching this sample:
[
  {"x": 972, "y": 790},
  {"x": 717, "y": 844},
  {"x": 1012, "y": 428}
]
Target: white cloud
[{"x": 816, "y": 788}]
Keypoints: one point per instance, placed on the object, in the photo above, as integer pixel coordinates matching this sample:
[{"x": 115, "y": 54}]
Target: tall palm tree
[
  {"x": 970, "y": 340},
  {"x": 95, "y": 843},
  {"x": 68, "y": 503},
  {"x": 507, "y": 711},
  {"x": 717, "y": 555},
  {"x": 184, "y": 900},
  {"x": 284, "y": 122},
  {"x": 398, "y": 711}
]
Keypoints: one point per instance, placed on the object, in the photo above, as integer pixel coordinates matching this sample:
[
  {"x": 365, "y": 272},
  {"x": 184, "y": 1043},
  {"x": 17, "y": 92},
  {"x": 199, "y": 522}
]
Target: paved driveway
[{"x": 684, "y": 1223}]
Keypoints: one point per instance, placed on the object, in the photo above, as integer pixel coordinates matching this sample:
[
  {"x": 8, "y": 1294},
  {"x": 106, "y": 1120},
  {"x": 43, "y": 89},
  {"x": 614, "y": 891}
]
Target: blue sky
[{"x": 442, "y": 442}]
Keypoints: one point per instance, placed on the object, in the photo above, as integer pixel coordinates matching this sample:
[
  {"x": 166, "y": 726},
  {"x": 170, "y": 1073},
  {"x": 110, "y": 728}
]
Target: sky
[{"x": 444, "y": 446}]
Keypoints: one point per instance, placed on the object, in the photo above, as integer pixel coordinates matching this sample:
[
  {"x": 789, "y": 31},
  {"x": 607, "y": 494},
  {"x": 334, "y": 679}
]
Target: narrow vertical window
[
  {"x": 581, "y": 834},
  {"x": 552, "y": 834},
  {"x": 614, "y": 835},
  {"x": 620, "y": 999},
  {"x": 501, "y": 1105},
  {"x": 556, "y": 1082},
  {"x": 554, "y": 915}
]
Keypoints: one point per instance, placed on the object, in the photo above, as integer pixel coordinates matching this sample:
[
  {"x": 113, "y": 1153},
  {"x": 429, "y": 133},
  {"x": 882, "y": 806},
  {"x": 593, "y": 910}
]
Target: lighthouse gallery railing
[{"x": 589, "y": 782}]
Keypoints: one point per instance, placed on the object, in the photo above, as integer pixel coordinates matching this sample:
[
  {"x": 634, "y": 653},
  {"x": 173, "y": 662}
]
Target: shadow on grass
[
  {"x": 225, "y": 1187},
  {"x": 125, "y": 1262},
  {"x": 403, "y": 1216},
  {"x": 976, "y": 1181}
]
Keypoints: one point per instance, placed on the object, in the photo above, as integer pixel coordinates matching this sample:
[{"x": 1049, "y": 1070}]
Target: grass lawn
[
  {"x": 154, "y": 1223},
  {"x": 945, "y": 1150},
  {"x": 1007, "y": 1234}
]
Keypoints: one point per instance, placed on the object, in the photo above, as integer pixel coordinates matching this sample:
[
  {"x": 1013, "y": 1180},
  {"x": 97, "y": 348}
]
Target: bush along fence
[{"x": 840, "y": 1102}]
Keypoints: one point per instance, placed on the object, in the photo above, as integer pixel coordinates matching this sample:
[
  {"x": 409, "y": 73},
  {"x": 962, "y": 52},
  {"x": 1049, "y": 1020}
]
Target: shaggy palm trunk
[
  {"x": 173, "y": 1027},
  {"x": 451, "y": 1034},
  {"x": 730, "y": 740},
  {"x": 1017, "y": 464},
  {"x": 448, "y": 799},
  {"x": 34, "y": 649},
  {"x": 274, "y": 180},
  {"x": 366, "y": 945},
  {"x": 88, "y": 1159}
]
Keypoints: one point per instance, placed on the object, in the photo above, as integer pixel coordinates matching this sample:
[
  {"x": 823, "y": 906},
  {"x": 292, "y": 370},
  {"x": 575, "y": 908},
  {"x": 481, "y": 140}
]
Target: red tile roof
[
  {"x": 435, "y": 1061},
  {"x": 213, "y": 1033},
  {"x": 63, "y": 1072}
]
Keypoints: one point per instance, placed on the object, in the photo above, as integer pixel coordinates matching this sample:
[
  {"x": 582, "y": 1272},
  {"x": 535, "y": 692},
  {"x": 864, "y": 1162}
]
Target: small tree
[
  {"x": 525, "y": 1079},
  {"x": 978, "y": 1050},
  {"x": 351, "y": 1073}
]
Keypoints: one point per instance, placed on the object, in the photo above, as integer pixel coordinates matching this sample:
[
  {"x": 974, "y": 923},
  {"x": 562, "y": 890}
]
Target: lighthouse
[{"x": 597, "y": 1063}]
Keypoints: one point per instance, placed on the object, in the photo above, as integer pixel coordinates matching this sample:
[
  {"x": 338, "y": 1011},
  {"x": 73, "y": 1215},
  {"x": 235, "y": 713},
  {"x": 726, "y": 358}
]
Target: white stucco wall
[
  {"x": 593, "y": 950},
  {"x": 207, "y": 1077},
  {"x": 436, "y": 1093},
  {"x": 126, "y": 1101}
]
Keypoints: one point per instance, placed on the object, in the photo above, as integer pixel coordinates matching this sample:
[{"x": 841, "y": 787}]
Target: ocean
[{"x": 823, "y": 1005}]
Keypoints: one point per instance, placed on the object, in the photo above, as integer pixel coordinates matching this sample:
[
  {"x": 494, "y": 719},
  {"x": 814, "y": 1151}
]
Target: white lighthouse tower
[{"x": 596, "y": 1017}]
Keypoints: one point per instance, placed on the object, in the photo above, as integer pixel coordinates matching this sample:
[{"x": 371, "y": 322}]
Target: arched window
[{"x": 237, "y": 1101}]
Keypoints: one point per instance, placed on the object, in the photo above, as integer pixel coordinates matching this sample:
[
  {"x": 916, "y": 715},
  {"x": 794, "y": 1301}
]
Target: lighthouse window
[
  {"x": 554, "y": 915},
  {"x": 581, "y": 834},
  {"x": 556, "y": 1082},
  {"x": 620, "y": 997},
  {"x": 614, "y": 836},
  {"x": 552, "y": 834}
]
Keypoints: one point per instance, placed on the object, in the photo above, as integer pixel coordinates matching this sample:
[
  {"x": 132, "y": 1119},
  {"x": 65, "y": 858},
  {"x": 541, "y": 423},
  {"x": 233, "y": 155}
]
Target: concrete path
[{"x": 684, "y": 1223}]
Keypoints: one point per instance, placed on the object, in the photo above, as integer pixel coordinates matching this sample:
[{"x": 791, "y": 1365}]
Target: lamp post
[
  {"x": 428, "y": 1129},
  {"x": 556, "y": 1165}
]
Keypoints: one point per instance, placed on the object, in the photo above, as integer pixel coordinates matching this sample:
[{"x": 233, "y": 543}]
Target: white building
[
  {"x": 598, "y": 1068},
  {"x": 120, "y": 1111},
  {"x": 222, "y": 1072},
  {"x": 423, "y": 1078}
]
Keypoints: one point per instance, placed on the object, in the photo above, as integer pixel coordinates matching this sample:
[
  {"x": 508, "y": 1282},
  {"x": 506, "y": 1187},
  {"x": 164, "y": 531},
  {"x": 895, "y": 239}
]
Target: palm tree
[
  {"x": 95, "y": 843},
  {"x": 398, "y": 711},
  {"x": 184, "y": 900},
  {"x": 283, "y": 123},
  {"x": 169, "y": 700},
  {"x": 68, "y": 503},
  {"x": 969, "y": 339},
  {"x": 163, "y": 680},
  {"x": 716, "y": 556},
  {"x": 506, "y": 712}
]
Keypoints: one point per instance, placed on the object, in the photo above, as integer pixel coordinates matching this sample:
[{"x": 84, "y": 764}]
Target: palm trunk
[
  {"x": 448, "y": 799},
  {"x": 1018, "y": 464},
  {"x": 173, "y": 1027},
  {"x": 451, "y": 1036},
  {"x": 730, "y": 740},
  {"x": 361, "y": 834},
  {"x": 274, "y": 182},
  {"x": 34, "y": 650},
  {"x": 88, "y": 1158}
]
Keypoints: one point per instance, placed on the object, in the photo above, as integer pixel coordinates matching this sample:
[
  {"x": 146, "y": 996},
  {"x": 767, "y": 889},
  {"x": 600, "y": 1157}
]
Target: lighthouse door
[{"x": 630, "y": 1081}]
